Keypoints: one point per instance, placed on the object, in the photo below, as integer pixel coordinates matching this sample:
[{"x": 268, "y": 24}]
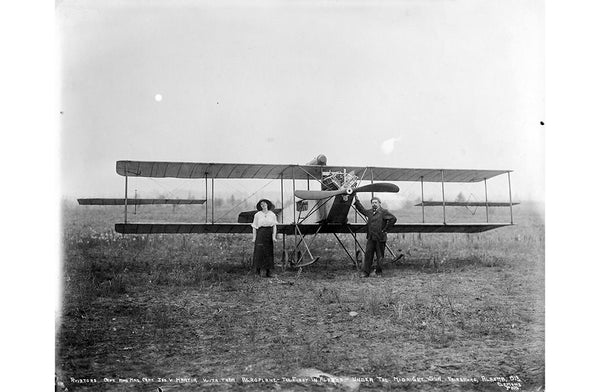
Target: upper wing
[
  {"x": 215, "y": 170},
  {"x": 293, "y": 171},
  {"x": 412, "y": 174},
  {"x": 465, "y": 204},
  {"x": 121, "y": 201},
  {"x": 289, "y": 229}
]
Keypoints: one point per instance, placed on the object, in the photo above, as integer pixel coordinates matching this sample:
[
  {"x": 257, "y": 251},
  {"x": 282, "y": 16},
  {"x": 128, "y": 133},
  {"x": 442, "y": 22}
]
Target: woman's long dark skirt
[{"x": 263, "y": 248}]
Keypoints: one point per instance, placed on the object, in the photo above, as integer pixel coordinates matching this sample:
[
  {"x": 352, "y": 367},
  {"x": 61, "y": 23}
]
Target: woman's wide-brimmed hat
[{"x": 270, "y": 205}]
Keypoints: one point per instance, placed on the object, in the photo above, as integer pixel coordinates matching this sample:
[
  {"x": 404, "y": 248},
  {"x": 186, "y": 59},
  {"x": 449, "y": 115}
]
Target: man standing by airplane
[{"x": 378, "y": 221}]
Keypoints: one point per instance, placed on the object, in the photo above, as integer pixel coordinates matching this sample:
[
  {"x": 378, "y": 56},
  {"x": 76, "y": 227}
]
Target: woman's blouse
[{"x": 264, "y": 220}]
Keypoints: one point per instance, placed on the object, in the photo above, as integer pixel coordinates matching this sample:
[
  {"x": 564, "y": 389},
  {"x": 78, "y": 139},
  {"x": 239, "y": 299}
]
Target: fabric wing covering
[
  {"x": 292, "y": 171},
  {"x": 120, "y": 201},
  {"x": 289, "y": 229},
  {"x": 465, "y": 204}
]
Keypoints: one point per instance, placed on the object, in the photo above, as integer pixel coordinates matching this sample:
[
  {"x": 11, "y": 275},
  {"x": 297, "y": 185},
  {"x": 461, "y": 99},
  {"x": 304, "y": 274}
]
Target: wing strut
[
  {"x": 346, "y": 250},
  {"x": 125, "y": 194},
  {"x": 510, "y": 198},
  {"x": 487, "y": 207},
  {"x": 372, "y": 195},
  {"x": 308, "y": 175},
  {"x": 294, "y": 207},
  {"x": 356, "y": 243},
  {"x": 314, "y": 209},
  {"x": 282, "y": 209},
  {"x": 422, "y": 200},
  {"x": 443, "y": 198}
]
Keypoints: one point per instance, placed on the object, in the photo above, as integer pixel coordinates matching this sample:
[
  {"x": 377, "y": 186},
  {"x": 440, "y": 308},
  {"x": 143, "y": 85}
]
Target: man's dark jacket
[{"x": 378, "y": 222}]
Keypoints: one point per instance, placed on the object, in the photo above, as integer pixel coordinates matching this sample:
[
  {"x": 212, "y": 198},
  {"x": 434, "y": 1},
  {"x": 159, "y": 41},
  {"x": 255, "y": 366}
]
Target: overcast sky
[{"x": 435, "y": 84}]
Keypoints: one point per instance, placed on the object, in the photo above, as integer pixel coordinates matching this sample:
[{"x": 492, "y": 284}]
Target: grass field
[{"x": 184, "y": 312}]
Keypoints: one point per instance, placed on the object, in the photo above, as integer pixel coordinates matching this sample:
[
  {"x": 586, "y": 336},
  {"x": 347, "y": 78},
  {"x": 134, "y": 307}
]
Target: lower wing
[{"x": 289, "y": 229}]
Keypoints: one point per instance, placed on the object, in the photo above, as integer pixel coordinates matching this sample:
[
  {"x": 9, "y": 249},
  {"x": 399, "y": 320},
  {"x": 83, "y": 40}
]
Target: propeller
[
  {"x": 379, "y": 187},
  {"x": 318, "y": 195}
]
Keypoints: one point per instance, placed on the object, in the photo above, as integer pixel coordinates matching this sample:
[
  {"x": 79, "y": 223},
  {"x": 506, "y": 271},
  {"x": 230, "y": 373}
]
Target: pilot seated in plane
[{"x": 378, "y": 221}]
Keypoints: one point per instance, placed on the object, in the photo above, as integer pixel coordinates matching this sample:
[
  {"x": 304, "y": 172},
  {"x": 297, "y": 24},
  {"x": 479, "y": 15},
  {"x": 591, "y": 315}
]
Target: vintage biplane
[{"x": 318, "y": 211}]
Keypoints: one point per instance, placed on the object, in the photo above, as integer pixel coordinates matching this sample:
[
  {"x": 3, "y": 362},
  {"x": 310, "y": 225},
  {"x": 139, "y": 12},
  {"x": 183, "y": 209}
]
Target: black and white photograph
[{"x": 301, "y": 195}]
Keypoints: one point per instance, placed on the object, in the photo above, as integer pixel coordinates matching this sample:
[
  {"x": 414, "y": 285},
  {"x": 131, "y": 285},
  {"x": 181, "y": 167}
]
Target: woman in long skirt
[{"x": 264, "y": 234}]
